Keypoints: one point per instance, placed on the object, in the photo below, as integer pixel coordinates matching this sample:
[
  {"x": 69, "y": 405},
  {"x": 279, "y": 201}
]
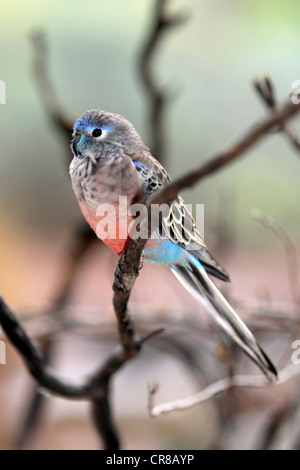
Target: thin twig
[
  {"x": 169, "y": 192},
  {"x": 292, "y": 267},
  {"x": 250, "y": 381},
  {"x": 55, "y": 111},
  {"x": 158, "y": 97},
  {"x": 290, "y": 251},
  {"x": 266, "y": 92}
]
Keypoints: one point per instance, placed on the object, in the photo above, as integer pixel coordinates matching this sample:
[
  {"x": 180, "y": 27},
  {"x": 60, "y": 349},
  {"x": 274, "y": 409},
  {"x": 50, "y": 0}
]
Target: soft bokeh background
[{"x": 208, "y": 64}]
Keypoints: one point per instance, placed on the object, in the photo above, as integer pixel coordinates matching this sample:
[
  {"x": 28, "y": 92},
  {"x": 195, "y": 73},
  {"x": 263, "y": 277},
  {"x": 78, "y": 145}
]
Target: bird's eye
[{"x": 97, "y": 132}]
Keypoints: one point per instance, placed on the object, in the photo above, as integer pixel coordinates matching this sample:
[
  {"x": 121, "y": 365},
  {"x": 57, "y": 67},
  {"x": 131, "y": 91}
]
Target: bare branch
[
  {"x": 82, "y": 239},
  {"x": 266, "y": 92},
  {"x": 47, "y": 92},
  {"x": 94, "y": 389},
  {"x": 34, "y": 359},
  {"x": 250, "y": 381},
  {"x": 158, "y": 97},
  {"x": 290, "y": 250},
  {"x": 168, "y": 193}
]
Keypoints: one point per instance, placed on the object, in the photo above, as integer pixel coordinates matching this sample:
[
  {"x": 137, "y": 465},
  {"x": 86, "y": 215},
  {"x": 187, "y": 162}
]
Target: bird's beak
[{"x": 75, "y": 142}]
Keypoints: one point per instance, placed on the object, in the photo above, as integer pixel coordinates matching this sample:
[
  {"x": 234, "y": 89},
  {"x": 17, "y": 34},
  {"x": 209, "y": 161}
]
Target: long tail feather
[{"x": 195, "y": 279}]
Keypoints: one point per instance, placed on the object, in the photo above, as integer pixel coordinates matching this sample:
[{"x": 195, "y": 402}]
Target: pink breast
[{"x": 114, "y": 232}]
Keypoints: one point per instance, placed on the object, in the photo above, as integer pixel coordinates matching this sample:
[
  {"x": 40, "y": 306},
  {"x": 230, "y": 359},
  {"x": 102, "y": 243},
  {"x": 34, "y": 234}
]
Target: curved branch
[
  {"x": 169, "y": 192},
  {"x": 40, "y": 67},
  {"x": 94, "y": 389},
  {"x": 265, "y": 90},
  {"x": 250, "y": 381},
  {"x": 158, "y": 97}
]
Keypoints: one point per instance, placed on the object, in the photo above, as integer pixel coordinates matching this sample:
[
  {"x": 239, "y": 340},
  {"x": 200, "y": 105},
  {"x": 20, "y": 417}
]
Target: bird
[{"x": 111, "y": 162}]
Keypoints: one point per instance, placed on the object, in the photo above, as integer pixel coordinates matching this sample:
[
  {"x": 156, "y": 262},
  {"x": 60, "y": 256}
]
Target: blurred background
[{"x": 206, "y": 64}]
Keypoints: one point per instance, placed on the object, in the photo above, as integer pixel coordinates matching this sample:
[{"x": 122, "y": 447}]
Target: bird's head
[{"x": 98, "y": 134}]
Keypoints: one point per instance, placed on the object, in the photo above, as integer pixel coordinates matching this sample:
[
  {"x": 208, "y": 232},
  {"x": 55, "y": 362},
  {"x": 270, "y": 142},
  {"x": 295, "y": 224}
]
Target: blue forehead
[{"x": 87, "y": 125}]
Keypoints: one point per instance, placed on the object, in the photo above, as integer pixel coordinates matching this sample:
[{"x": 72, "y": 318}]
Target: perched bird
[{"x": 110, "y": 162}]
